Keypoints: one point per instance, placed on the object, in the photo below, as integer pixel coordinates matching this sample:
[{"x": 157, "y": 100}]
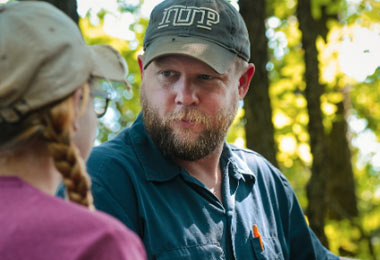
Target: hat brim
[
  {"x": 214, "y": 55},
  {"x": 108, "y": 64}
]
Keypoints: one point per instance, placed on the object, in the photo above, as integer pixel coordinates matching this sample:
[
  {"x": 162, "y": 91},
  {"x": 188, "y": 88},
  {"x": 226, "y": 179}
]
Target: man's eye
[
  {"x": 205, "y": 77},
  {"x": 167, "y": 73}
]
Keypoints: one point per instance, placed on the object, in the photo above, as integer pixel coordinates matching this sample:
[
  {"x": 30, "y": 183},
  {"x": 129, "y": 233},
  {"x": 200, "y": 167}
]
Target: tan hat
[{"x": 43, "y": 58}]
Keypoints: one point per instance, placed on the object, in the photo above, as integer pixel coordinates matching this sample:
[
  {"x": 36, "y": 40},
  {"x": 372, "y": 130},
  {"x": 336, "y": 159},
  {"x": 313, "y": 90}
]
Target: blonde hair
[{"x": 52, "y": 125}]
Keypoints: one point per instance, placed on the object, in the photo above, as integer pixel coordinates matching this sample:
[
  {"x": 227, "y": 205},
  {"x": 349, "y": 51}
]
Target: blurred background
[{"x": 313, "y": 108}]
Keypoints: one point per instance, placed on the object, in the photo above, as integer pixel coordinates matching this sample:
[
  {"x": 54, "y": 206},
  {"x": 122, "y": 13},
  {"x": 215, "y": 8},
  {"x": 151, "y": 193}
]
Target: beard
[{"x": 182, "y": 143}]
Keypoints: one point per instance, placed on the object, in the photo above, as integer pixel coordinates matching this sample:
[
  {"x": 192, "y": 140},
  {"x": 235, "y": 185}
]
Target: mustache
[{"x": 187, "y": 114}]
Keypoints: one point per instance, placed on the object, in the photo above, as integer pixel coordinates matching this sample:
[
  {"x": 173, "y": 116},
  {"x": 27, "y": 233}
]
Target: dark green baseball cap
[{"x": 212, "y": 31}]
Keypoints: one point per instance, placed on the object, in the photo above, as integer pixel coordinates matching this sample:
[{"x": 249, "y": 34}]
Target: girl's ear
[
  {"x": 245, "y": 80},
  {"x": 77, "y": 102}
]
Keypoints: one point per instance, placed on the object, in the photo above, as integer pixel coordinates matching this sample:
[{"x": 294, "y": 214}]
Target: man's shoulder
[
  {"x": 244, "y": 151},
  {"x": 251, "y": 157},
  {"x": 113, "y": 159},
  {"x": 258, "y": 164},
  {"x": 118, "y": 148},
  {"x": 115, "y": 145}
]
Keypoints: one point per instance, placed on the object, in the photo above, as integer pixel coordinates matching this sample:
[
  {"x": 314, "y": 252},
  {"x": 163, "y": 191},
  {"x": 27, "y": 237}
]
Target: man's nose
[{"x": 186, "y": 93}]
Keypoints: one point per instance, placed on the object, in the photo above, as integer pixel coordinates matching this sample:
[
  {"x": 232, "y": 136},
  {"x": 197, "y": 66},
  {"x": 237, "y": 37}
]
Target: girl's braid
[{"x": 58, "y": 134}]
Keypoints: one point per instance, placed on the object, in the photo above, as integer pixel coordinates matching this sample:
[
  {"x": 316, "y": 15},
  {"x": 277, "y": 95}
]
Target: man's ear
[
  {"x": 245, "y": 80},
  {"x": 140, "y": 60}
]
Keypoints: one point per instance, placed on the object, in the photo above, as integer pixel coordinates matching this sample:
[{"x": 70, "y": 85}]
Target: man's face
[{"x": 187, "y": 106}]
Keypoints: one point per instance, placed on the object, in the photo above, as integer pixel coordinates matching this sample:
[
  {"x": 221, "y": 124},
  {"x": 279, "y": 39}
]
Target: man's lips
[{"x": 187, "y": 123}]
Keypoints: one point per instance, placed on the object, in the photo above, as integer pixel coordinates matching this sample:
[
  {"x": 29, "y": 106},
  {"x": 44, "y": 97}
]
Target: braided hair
[{"x": 53, "y": 126}]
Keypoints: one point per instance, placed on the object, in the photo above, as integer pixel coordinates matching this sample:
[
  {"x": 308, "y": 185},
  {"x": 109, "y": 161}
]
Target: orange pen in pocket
[{"x": 257, "y": 234}]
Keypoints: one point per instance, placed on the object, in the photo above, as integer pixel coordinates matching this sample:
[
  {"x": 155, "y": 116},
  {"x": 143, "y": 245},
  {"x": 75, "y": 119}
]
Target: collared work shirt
[{"x": 178, "y": 217}]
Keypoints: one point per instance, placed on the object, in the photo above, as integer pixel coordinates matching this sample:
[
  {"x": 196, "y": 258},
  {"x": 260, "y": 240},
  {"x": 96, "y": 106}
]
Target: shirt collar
[{"x": 241, "y": 170}]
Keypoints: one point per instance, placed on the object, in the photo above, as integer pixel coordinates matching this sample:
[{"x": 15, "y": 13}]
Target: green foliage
[
  {"x": 365, "y": 100},
  {"x": 332, "y": 7},
  {"x": 351, "y": 236},
  {"x": 125, "y": 105},
  {"x": 281, "y": 9}
]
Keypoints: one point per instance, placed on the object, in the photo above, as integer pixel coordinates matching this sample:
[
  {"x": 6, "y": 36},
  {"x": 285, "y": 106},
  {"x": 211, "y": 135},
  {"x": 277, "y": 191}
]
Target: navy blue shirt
[{"x": 178, "y": 217}]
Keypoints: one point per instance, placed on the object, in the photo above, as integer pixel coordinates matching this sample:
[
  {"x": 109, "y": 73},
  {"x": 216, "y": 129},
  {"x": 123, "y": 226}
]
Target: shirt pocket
[
  {"x": 272, "y": 248},
  {"x": 207, "y": 251}
]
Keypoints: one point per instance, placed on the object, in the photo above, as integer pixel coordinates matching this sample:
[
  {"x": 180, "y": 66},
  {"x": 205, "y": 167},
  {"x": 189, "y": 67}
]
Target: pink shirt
[{"x": 34, "y": 225}]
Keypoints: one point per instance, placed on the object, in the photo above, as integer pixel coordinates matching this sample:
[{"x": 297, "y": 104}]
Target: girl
[{"x": 47, "y": 127}]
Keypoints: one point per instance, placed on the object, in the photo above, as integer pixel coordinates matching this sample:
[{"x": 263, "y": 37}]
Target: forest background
[{"x": 313, "y": 108}]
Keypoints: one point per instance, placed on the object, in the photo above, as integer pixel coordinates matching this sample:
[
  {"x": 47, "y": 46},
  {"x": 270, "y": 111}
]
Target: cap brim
[
  {"x": 214, "y": 55},
  {"x": 108, "y": 64}
]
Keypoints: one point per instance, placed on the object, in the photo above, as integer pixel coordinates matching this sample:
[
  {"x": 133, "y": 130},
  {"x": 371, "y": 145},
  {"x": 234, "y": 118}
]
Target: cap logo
[{"x": 180, "y": 15}]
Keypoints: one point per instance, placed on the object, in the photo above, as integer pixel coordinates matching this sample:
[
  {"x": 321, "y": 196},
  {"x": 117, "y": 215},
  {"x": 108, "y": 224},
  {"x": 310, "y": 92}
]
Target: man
[{"x": 171, "y": 177}]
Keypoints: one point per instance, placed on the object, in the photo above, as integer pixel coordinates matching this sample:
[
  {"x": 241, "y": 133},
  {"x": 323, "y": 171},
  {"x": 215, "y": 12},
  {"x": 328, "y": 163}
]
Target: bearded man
[{"x": 171, "y": 177}]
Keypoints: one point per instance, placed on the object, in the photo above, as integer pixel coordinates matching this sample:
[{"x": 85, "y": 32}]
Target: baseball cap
[
  {"x": 212, "y": 31},
  {"x": 43, "y": 58}
]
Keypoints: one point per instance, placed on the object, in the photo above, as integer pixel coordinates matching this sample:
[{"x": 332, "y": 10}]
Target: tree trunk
[
  {"x": 342, "y": 199},
  {"x": 258, "y": 112},
  {"x": 69, "y": 7},
  {"x": 316, "y": 187}
]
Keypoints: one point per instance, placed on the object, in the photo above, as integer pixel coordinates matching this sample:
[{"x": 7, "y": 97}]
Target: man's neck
[{"x": 206, "y": 170}]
